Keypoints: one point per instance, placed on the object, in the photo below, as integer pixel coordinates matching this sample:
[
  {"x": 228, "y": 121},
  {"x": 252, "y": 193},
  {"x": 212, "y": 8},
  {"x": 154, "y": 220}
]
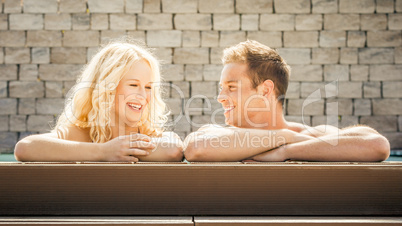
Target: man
[{"x": 253, "y": 83}]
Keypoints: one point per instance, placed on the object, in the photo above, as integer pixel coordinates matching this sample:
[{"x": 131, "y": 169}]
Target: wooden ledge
[
  {"x": 101, "y": 221},
  {"x": 316, "y": 221},
  {"x": 204, "y": 221},
  {"x": 201, "y": 189}
]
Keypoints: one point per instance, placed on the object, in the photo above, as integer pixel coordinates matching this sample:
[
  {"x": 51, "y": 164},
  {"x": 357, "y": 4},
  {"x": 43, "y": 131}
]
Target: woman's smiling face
[{"x": 133, "y": 93}]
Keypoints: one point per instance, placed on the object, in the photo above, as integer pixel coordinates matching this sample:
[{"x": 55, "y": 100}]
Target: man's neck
[{"x": 271, "y": 120}]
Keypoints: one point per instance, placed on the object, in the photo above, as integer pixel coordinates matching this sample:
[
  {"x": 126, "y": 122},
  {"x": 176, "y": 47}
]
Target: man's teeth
[
  {"x": 135, "y": 106},
  {"x": 228, "y": 108}
]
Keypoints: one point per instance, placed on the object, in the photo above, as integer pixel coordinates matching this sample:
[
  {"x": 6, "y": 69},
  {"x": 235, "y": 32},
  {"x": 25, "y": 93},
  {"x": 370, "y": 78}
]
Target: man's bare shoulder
[
  {"x": 298, "y": 127},
  {"x": 212, "y": 126},
  {"x": 315, "y": 131}
]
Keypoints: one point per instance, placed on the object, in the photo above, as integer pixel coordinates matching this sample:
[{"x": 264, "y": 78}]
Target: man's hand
[
  {"x": 358, "y": 143},
  {"x": 279, "y": 154},
  {"x": 275, "y": 155}
]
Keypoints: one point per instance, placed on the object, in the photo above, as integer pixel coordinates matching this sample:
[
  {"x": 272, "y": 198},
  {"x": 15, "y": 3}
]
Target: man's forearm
[
  {"x": 358, "y": 143},
  {"x": 233, "y": 144},
  {"x": 342, "y": 148}
]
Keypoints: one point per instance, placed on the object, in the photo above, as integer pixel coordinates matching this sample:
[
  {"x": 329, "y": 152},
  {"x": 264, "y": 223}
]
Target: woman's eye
[
  {"x": 148, "y": 87},
  {"x": 134, "y": 85}
]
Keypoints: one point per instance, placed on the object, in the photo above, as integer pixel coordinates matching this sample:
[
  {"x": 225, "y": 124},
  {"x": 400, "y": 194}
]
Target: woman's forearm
[
  {"x": 168, "y": 149},
  {"x": 47, "y": 148}
]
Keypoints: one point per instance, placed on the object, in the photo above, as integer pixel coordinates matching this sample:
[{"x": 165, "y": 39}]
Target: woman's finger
[
  {"x": 139, "y": 136},
  {"x": 136, "y": 152},
  {"x": 130, "y": 159},
  {"x": 249, "y": 160},
  {"x": 141, "y": 144}
]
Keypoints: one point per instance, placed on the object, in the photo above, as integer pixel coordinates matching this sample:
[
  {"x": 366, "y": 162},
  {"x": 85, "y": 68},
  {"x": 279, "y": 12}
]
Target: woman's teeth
[{"x": 135, "y": 106}]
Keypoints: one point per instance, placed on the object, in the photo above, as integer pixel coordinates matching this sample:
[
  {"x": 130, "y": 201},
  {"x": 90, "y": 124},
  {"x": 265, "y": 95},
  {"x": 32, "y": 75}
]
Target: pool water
[
  {"x": 7, "y": 158},
  {"x": 395, "y": 158},
  {"x": 10, "y": 158}
]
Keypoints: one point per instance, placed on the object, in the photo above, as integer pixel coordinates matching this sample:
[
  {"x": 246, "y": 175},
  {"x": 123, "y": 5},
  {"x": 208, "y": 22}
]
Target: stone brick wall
[{"x": 45, "y": 43}]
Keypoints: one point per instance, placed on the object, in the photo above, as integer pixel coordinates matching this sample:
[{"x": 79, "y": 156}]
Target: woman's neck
[{"x": 122, "y": 130}]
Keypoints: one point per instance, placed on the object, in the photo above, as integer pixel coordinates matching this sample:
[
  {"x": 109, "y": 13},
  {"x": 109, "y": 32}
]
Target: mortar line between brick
[
  {"x": 174, "y": 26},
  {"x": 234, "y": 9},
  {"x": 8, "y": 21}
]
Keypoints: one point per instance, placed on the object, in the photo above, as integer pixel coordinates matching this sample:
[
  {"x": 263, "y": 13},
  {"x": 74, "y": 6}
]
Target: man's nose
[{"x": 221, "y": 97}]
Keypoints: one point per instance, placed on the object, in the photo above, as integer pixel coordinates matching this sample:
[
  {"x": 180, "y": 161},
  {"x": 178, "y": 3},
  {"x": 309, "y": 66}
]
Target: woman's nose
[
  {"x": 141, "y": 96},
  {"x": 142, "y": 93}
]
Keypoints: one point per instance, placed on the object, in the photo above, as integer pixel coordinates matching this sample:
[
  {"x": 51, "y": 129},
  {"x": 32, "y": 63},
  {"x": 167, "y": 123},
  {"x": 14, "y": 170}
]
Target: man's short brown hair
[{"x": 263, "y": 63}]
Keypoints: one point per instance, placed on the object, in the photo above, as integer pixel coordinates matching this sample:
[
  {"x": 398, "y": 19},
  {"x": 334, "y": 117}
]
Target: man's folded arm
[
  {"x": 358, "y": 143},
  {"x": 215, "y": 144}
]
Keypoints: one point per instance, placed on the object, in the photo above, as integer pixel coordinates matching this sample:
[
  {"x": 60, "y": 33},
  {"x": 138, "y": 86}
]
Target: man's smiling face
[{"x": 238, "y": 96}]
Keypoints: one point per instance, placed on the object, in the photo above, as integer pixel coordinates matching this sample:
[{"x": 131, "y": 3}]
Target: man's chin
[{"x": 230, "y": 122}]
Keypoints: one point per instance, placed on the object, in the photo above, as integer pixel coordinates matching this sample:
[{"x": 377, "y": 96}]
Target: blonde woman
[{"x": 114, "y": 113}]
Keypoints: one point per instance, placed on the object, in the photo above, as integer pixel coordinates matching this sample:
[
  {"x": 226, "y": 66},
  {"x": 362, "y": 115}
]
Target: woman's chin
[{"x": 131, "y": 122}]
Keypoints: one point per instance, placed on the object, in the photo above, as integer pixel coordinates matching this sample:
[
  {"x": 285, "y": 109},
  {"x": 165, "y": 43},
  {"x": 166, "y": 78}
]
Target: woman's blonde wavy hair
[{"x": 89, "y": 102}]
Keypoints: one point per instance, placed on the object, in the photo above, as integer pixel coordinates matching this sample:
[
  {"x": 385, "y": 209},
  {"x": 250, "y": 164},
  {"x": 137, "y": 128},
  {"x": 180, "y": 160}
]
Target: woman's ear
[{"x": 268, "y": 88}]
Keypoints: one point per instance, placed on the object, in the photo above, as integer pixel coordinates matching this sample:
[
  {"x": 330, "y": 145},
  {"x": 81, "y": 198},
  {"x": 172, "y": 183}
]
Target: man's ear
[{"x": 268, "y": 87}]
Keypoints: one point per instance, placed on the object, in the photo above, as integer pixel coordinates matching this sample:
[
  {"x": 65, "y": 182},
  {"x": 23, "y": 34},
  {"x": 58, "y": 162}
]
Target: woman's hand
[{"x": 126, "y": 148}]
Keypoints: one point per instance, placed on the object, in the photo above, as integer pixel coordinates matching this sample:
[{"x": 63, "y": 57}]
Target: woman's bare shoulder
[{"x": 73, "y": 133}]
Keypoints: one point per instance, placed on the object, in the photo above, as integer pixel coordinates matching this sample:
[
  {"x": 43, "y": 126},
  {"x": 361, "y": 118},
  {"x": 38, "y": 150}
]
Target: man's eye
[{"x": 232, "y": 87}]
